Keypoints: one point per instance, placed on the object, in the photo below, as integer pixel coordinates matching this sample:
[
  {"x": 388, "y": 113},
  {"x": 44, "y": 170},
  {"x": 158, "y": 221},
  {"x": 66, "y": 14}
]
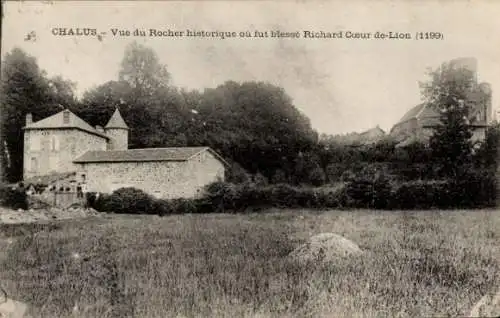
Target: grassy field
[{"x": 427, "y": 263}]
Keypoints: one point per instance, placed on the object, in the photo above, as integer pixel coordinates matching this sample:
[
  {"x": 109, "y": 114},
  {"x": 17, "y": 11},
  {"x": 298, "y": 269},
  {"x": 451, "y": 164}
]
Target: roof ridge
[
  {"x": 421, "y": 110},
  {"x": 188, "y": 147},
  {"x": 55, "y": 121},
  {"x": 147, "y": 154}
]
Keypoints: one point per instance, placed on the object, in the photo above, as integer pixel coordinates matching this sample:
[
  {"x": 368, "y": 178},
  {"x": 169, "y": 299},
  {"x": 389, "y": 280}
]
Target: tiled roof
[
  {"x": 57, "y": 121},
  {"x": 427, "y": 116},
  {"x": 116, "y": 121},
  {"x": 428, "y": 112},
  {"x": 412, "y": 113},
  {"x": 49, "y": 178},
  {"x": 147, "y": 154}
]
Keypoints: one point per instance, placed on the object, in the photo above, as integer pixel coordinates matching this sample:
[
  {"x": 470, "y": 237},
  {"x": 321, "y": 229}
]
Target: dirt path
[{"x": 8, "y": 216}]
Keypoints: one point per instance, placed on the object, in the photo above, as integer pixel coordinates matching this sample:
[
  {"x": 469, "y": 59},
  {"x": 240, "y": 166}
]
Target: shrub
[
  {"x": 473, "y": 189},
  {"x": 224, "y": 196},
  {"x": 476, "y": 188},
  {"x": 421, "y": 195},
  {"x": 317, "y": 176},
  {"x": 335, "y": 171},
  {"x": 13, "y": 197},
  {"x": 183, "y": 206},
  {"x": 130, "y": 200},
  {"x": 237, "y": 174},
  {"x": 371, "y": 188},
  {"x": 162, "y": 207}
]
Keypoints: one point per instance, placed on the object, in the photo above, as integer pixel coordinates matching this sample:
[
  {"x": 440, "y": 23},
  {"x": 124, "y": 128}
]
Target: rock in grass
[
  {"x": 325, "y": 247},
  {"x": 10, "y": 308}
]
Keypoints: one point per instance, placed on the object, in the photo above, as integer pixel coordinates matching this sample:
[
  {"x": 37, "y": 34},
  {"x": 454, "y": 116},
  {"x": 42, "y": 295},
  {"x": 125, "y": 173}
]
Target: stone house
[
  {"x": 419, "y": 122},
  {"x": 100, "y": 160}
]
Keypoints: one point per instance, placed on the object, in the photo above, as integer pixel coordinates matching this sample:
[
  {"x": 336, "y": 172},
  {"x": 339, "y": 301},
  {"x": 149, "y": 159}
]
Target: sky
[{"x": 343, "y": 85}]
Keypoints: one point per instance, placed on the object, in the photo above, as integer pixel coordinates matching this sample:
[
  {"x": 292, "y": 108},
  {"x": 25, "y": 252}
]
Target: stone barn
[{"x": 163, "y": 172}]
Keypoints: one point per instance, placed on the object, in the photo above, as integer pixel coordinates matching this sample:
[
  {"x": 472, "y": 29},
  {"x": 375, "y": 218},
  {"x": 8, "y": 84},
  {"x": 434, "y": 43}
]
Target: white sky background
[{"x": 342, "y": 85}]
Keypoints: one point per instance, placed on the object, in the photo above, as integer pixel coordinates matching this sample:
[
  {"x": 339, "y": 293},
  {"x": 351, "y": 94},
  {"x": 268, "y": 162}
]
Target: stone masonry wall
[
  {"x": 162, "y": 179},
  {"x": 118, "y": 139},
  {"x": 55, "y": 149}
]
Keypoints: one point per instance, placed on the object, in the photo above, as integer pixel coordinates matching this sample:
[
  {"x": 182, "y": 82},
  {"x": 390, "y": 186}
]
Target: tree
[
  {"x": 254, "y": 124},
  {"x": 99, "y": 103},
  {"x": 152, "y": 109},
  {"x": 26, "y": 89},
  {"x": 448, "y": 92},
  {"x": 142, "y": 70},
  {"x": 487, "y": 155}
]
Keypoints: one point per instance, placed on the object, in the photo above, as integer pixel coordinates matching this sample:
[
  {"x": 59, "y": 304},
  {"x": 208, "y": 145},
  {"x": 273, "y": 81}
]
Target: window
[
  {"x": 34, "y": 164},
  {"x": 66, "y": 117},
  {"x": 54, "y": 145},
  {"x": 479, "y": 116}
]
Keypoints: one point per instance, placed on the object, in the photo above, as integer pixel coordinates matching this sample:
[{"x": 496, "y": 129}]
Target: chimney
[
  {"x": 29, "y": 119},
  {"x": 99, "y": 129}
]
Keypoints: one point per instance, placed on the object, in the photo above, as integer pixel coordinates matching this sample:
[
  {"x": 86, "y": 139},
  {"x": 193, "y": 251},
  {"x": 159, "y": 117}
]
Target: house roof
[
  {"x": 49, "y": 178},
  {"x": 376, "y": 131},
  {"x": 147, "y": 154},
  {"x": 57, "y": 122},
  {"x": 412, "y": 113},
  {"x": 116, "y": 121},
  {"x": 428, "y": 116}
]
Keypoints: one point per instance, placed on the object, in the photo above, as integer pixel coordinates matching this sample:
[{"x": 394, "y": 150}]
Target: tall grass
[{"x": 416, "y": 264}]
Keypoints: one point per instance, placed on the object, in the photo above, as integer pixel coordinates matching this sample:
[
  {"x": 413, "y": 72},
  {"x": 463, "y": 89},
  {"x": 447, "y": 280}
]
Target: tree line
[{"x": 254, "y": 125}]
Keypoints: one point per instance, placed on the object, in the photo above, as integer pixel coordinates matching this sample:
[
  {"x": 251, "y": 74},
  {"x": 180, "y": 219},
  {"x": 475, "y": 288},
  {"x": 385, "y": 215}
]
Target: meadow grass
[{"x": 421, "y": 263}]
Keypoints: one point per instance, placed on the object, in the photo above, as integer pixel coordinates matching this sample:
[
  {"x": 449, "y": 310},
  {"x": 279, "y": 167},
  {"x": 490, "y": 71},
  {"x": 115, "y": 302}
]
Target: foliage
[
  {"x": 13, "y": 197},
  {"x": 487, "y": 154},
  {"x": 25, "y": 88},
  {"x": 449, "y": 91},
  {"x": 371, "y": 188},
  {"x": 142, "y": 70},
  {"x": 129, "y": 200}
]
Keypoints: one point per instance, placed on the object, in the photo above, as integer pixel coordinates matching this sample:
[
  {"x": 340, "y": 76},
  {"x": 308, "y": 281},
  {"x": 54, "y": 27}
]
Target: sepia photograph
[{"x": 249, "y": 159}]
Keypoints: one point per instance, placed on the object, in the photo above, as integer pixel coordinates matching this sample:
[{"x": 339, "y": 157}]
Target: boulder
[
  {"x": 10, "y": 308},
  {"x": 325, "y": 247}
]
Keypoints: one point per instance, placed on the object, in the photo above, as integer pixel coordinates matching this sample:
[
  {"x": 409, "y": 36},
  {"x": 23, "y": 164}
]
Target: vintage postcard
[{"x": 250, "y": 159}]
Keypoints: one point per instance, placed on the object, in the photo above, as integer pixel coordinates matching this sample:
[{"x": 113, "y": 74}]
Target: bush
[
  {"x": 13, "y": 197},
  {"x": 421, "y": 195},
  {"x": 368, "y": 189},
  {"x": 476, "y": 188},
  {"x": 317, "y": 176},
  {"x": 123, "y": 200},
  {"x": 223, "y": 197},
  {"x": 183, "y": 206},
  {"x": 473, "y": 189}
]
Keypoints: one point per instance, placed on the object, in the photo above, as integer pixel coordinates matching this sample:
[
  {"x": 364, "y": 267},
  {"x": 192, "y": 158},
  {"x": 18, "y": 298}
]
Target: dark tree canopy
[{"x": 25, "y": 88}]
